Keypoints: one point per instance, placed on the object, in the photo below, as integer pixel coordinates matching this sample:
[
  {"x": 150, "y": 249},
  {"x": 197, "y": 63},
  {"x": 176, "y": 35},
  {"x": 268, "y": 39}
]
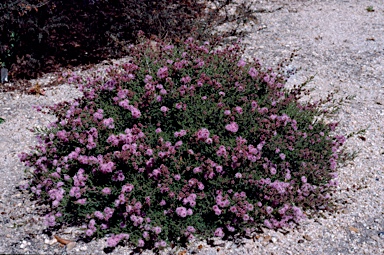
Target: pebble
[
  {"x": 376, "y": 238},
  {"x": 50, "y": 242},
  {"x": 274, "y": 239},
  {"x": 71, "y": 245},
  {"x": 381, "y": 234}
]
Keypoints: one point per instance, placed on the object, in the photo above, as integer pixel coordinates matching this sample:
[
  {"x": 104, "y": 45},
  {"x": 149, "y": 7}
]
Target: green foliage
[
  {"x": 185, "y": 142},
  {"x": 370, "y": 8}
]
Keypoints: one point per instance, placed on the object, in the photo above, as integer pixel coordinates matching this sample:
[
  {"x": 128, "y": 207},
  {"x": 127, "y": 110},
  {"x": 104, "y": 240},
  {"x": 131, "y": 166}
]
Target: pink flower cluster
[
  {"x": 91, "y": 228},
  {"x": 219, "y": 232},
  {"x": 221, "y": 151},
  {"x": 203, "y": 135},
  {"x": 115, "y": 239},
  {"x": 232, "y": 127},
  {"x": 162, "y": 72},
  {"x": 183, "y": 212},
  {"x": 109, "y": 123},
  {"x": 221, "y": 201},
  {"x": 180, "y": 133},
  {"x": 191, "y": 199}
]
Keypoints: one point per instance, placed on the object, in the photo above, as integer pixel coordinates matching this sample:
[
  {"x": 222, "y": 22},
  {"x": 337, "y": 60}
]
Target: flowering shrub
[{"x": 182, "y": 143}]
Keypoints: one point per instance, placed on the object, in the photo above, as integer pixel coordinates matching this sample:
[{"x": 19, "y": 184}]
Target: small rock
[
  {"x": 345, "y": 211},
  {"x": 381, "y": 234},
  {"x": 376, "y": 238},
  {"x": 353, "y": 229},
  {"x": 83, "y": 248},
  {"x": 71, "y": 245},
  {"x": 274, "y": 239},
  {"x": 267, "y": 238},
  {"x": 50, "y": 242},
  {"x": 307, "y": 237}
]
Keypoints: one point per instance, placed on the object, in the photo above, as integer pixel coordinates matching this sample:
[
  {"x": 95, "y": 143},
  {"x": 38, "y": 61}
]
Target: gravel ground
[{"x": 339, "y": 41}]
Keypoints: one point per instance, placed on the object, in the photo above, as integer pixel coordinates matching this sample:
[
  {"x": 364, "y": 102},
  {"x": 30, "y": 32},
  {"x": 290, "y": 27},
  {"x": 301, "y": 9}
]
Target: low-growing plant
[
  {"x": 181, "y": 143},
  {"x": 370, "y": 8}
]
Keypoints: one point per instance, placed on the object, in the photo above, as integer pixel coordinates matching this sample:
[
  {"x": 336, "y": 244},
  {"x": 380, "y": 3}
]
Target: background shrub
[
  {"x": 184, "y": 142},
  {"x": 38, "y": 36}
]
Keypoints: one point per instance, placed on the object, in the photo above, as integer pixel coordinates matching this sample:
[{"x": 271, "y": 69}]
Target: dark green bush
[
  {"x": 184, "y": 142},
  {"x": 38, "y": 36}
]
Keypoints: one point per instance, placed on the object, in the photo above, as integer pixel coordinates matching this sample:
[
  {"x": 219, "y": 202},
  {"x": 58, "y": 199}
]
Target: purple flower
[
  {"x": 222, "y": 151},
  {"x": 268, "y": 224},
  {"x": 148, "y": 78},
  {"x": 140, "y": 243},
  {"x": 89, "y": 232},
  {"x": 186, "y": 79},
  {"x": 219, "y": 232},
  {"x": 158, "y": 130},
  {"x": 99, "y": 215},
  {"x": 157, "y": 230},
  {"x": 118, "y": 176},
  {"x": 227, "y": 112},
  {"x": 181, "y": 211},
  {"x": 113, "y": 240},
  {"x": 135, "y": 112},
  {"x": 107, "y": 168},
  {"x": 241, "y": 63},
  {"x": 232, "y": 127},
  {"x": 108, "y": 123},
  {"x": 162, "y": 72},
  {"x": 230, "y": 228},
  {"x": 282, "y": 156},
  {"x": 252, "y": 72},
  {"x": 177, "y": 177},
  {"x": 50, "y": 220},
  {"x": 81, "y": 201},
  {"x": 203, "y": 134},
  {"x": 106, "y": 191},
  {"x": 239, "y": 109},
  {"x": 179, "y": 106},
  {"x": 164, "y": 109},
  {"x": 124, "y": 104},
  {"x": 216, "y": 209},
  {"x": 149, "y": 152},
  {"x": 238, "y": 175},
  {"x": 197, "y": 170}
]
